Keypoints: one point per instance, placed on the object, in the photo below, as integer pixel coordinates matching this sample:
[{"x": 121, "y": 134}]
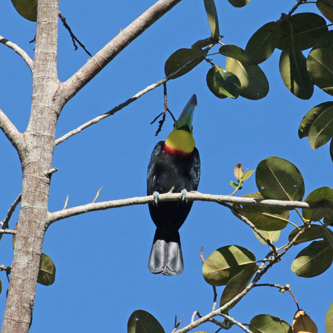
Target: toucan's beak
[{"x": 185, "y": 119}]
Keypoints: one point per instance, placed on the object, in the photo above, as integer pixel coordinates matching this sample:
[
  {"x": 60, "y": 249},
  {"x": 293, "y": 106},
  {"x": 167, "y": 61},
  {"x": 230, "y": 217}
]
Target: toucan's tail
[{"x": 166, "y": 255}]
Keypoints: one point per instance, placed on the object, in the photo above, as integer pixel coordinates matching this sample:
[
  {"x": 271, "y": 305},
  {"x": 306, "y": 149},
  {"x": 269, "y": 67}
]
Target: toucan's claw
[
  {"x": 156, "y": 197},
  {"x": 183, "y": 192}
]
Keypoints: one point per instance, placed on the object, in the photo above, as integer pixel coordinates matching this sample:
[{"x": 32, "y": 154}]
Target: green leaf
[
  {"x": 273, "y": 236},
  {"x": 313, "y": 260},
  {"x": 326, "y": 8},
  {"x": 265, "y": 323},
  {"x": 254, "y": 84},
  {"x": 237, "y": 284},
  {"x": 226, "y": 262},
  {"x": 329, "y": 320},
  {"x": 212, "y": 19},
  {"x": 321, "y": 130},
  {"x": 235, "y": 52},
  {"x": 264, "y": 218},
  {"x": 263, "y": 42},
  {"x": 312, "y": 232},
  {"x": 310, "y": 117},
  {"x": 247, "y": 175},
  {"x": 328, "y": 235},
  {"x": 279, "y": 179},
  {"x": 234, "y": 184},
  {"x": 325, "y": 41},
  {"x": 141, "y": 321},
  {"x": 307, "y": 28},
  {"x": 47, "y": 271},
  {"x": 320, "y": 68},
  {"x": 294, "y": 73},
  {"x": 319, "y": 195},
  {"x": 239, "y": 3},
  {"x": 222, "y": 83},
  {"x": 201, "y": 43},
  {"x": 181, "y": 57},
  {"x": 331, "y": 150}
]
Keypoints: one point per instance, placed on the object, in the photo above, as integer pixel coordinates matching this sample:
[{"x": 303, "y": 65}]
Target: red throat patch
[{"x": 175, "y": 151}]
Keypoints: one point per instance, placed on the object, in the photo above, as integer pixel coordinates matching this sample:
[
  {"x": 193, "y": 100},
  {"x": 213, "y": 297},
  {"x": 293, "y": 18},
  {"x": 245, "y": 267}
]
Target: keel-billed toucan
[{"x": 174, "y": 166}]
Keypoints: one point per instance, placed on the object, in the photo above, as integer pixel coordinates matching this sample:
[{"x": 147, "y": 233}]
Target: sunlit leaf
[
  {"x": 273, "y": 236},
  {"x": 329, "y": 320},
  {"x": 302, "y": 323},
  {"x": 237, "y": 284},
  {"x": 313, "y": 260},
  {"x": 47, "y": 271},
  {"x": 265, "y": 323},
  {"x": 326, "y": 8},
  {"x": 320, "y": 195},
  {"x": 310, "y": 117},
  {"x": 222, "y": 83},
  {"x": 307, "y": 28},
  {"x": 320, "y": 68},
  {"x": 294, "y": 73},
  {"x": 279, "y": 179},
  {"x": 321, "y": 130},
  {"x": 238, "y": 171},
  {"x": 235, "y": 52},
  {"x": 212, "y": 19},
  {"x": 312, "y": 232},
  {"x": 181, "y": 57},
  {"x": 254, "y": 84},
  {"x": 264, "y": 218},
  {"x": 263, "y": 42},
  {"x": 226, "y": 262},
  {"x": 239, "y": 3},
  {"x": 141, "y": 321}
]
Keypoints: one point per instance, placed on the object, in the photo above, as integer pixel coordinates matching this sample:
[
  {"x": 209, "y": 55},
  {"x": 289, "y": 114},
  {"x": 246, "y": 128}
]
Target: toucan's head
[{"x": 180, "y": 140}]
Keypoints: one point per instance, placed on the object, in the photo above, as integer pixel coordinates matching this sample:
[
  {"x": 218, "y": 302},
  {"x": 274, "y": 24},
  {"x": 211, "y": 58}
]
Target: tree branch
[
  {"x": 113, "y": 48},
  {"x": 220, "y": 312},
  {"x": 129, "y": 101},
  {"x": 11, "y": 132},
  {"x": 9, "y": 215},
  {"x": 191, "y": 196},
  {"x": 18, "y": 50}
]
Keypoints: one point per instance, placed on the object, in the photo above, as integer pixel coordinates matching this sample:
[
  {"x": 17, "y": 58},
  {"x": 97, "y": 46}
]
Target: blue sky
[{"x": 101, "y": 257}]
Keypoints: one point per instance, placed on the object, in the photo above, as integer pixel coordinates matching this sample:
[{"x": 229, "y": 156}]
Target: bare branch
[
  {"x": 129, "y": 101},
  {"x": 191, "y": 196},
  {"x": 236, "y": 322},
  {"x": 18, "y": 50},
  {"x": 113, "y": 48},
  {"x": 9, "y": 215},
  {"x": 11, "y": 132},
  {"x": 6, "y": 231}
]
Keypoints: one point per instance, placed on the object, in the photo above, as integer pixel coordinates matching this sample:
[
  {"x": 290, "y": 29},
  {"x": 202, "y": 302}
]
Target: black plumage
[{"x": 176, "y": 172}]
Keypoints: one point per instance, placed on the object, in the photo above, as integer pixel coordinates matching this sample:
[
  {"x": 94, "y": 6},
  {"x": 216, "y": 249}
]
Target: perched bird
[{"x": 174, "y": 166}]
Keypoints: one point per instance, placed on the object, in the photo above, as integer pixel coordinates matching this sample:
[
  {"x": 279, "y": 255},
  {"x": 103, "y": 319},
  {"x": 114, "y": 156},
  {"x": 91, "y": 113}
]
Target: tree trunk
[{"x": 36, "y": 157}]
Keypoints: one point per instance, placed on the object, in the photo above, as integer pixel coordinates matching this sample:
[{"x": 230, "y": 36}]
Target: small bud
[{"x": 238, "y": 171}]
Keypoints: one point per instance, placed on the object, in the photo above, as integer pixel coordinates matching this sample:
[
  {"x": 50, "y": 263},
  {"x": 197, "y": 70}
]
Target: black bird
[{"x": 174, "y": 166}]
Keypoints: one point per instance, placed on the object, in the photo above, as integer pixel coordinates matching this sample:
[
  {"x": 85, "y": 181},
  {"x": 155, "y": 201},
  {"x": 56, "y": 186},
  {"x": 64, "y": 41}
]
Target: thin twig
[
  {"x": 253, "y": 227},
  {"x": 5, "y": 222},
  {"x": 18, "y": 50},
  {"x": 63, "y": 19},
  {"x": 236, "y": 322},
  {"x": 122, "y": 105},
  {"x": 201, "y": 255}
]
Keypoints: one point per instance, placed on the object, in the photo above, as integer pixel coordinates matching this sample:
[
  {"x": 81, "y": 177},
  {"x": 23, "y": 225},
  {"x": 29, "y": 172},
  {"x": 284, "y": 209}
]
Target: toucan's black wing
[
  {"x": 195, "y": 169},
  {"x": 151, "y": 174}
]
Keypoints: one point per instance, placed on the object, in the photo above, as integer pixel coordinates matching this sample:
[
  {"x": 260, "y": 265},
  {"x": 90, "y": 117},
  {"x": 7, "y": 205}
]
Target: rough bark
[{"x": 36, "y": 158}]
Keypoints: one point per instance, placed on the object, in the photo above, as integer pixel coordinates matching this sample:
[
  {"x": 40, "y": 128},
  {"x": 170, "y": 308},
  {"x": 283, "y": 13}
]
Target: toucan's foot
[
  {"x": 156, "y": 197},
  {"x": 183, "y": 192}
]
